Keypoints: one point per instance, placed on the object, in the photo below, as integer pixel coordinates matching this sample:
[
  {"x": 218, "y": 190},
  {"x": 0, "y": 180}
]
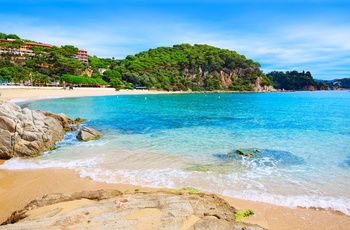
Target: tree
[
  {"x": 68, "y": 51},
  {"x": 12, "y": 36},
  {"x": 36, "y": 78},
  {"x": 2, "y": 36},
  {"x": 116, "y": 83},
  {"x": 108, "y": 75},
  {"x": 293, "y": 80},
  {"x": 6, "y": 73},
  {"x": 44, "y": 79}
]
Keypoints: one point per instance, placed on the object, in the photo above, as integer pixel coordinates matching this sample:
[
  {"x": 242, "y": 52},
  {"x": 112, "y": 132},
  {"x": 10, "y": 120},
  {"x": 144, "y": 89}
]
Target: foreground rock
[
  {"x": 110, "y": 209},
  {"x": 88, "y": 134},
  {"x": 25, "y": 132}
]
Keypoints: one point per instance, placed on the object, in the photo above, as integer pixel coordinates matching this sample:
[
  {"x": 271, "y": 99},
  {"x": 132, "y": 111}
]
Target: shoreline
[
  {"x": 19, "y": 187},
  {"x": 27, "y": 93},
  {"x": 20, "y": 94},
  {"x": 31, "y": 184}
]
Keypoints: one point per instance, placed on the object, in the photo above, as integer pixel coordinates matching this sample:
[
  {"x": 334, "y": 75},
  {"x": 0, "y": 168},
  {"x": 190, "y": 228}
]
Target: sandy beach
[
  {"x": 17, "y": 188},
  {"x": 18, "y": 93}
]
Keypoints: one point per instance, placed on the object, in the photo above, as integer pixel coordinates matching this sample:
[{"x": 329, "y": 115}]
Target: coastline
[
  {"x": 17, "y": 188},
  {"x": 21, "y": 93}
]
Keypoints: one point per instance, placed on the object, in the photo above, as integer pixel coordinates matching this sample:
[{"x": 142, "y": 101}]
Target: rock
[
  {"x": 87, "y": 134},
  {"x": 28, "y": 133},
  {"x": 63, "y": 119},
  {"x": 5, "y": 144},
  {"x": 268, "y": 157},
  {"x": 77, "y": 123},
  {"x": 259, "y": 87},
  {"x": 7, "y": 124},
  {"x": 110, "y": 209},
  {"x": 78, "y": 120}
]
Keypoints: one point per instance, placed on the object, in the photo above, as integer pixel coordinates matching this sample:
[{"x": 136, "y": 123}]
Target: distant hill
[
  {"x": 294, "y": 80},
  {"x": 181, "y": 67},
  {"x": 343, "y": 83},
  {"x": 186, "y": 67}
]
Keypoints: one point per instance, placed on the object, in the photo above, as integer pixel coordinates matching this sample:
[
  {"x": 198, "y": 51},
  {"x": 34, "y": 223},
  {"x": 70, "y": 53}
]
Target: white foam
[
  {"x": 174, "y": 178},
  {"x": 319, "y": 202},
  {"x": 25, "y": 164},
  {"x": 157, "y": 178}
]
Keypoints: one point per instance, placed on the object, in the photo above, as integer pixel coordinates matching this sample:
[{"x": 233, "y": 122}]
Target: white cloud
[{"x": 322, "y": 48}]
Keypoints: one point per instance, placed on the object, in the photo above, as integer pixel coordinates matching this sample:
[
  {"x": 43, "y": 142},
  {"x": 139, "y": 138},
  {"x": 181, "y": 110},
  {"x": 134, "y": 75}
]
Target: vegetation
[
  {"x": 191, "y": 190},
  {"x": 8, "y": 36},
  {"x": 338, "y": 83},
  {"x": 79, "y": 80},
  {"x": 181, "y": 67},
  {"x": 178, "y": 68},
  {"x": 41, "y": 66},
  {"x": 295, "y": 80},
  {"x": 184, "y": 67},
  {"x": 344, "y": 83},
  {"x": 240, "y": 214}
]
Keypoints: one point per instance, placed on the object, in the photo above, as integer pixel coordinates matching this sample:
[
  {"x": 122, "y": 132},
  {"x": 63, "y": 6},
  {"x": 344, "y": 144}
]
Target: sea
[{"x": 298, "y": 144}]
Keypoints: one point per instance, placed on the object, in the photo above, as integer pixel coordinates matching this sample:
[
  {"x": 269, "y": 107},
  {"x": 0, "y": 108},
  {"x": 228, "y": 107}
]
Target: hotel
[{"x": 82, "y": 55}]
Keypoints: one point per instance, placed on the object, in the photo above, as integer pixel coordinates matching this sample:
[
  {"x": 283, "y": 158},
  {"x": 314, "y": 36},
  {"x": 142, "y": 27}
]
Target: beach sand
[
  {"x": 18, "y": 188},
  {"x": 35, "y": 93}
]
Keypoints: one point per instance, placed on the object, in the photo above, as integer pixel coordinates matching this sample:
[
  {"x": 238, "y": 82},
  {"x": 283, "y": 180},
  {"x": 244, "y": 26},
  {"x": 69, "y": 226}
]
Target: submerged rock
[
  {"x": 275, "y": 156},
  {"x": 26, "y": 132},
  {"x": 88, "y": 134},
  {"x": 200, "y": 167},
  {"x": 110, "y": 209},
  {"x": 346, "y": 163}
]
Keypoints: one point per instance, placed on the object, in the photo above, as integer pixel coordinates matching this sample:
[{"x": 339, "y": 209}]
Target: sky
[{"x": 282, "y": 35}]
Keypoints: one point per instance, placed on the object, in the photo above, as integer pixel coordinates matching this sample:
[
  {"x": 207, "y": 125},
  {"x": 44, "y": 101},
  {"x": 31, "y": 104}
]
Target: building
[
  {"x": 82, "y": 56},
  {"x": 25, "y": 49}
]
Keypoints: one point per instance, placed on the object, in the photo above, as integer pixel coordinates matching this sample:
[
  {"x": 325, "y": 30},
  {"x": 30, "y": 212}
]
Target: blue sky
[{"x": 281, "y": 35}]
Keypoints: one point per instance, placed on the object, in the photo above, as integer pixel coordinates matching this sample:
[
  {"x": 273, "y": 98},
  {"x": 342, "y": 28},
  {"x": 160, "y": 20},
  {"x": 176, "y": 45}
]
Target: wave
[{"x": 176, "y": 178}]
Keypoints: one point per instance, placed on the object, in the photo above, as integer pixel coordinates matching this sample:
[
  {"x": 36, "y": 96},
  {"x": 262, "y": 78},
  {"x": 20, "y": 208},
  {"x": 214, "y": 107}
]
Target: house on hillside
[{"x": 82, "y": 55}]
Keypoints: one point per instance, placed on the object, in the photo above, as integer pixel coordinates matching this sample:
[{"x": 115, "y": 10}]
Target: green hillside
[
  {"x": 181, "y": 67},
  {"x": 294, "y": 80}
]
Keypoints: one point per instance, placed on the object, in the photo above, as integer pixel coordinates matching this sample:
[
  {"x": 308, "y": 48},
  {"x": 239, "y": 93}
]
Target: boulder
[
  {"x": 25, "y": 132},
  {"x": 87, "y": 134},
  {"x": 111, "y": 209},
  {"x": 5, "y": 144}
]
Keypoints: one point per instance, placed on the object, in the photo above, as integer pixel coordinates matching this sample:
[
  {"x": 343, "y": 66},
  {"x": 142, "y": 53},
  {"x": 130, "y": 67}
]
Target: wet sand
[{"x": 18, "y": 188}]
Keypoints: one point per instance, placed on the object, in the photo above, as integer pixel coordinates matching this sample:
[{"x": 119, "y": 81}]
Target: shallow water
[{"x": 174, "y": 141}]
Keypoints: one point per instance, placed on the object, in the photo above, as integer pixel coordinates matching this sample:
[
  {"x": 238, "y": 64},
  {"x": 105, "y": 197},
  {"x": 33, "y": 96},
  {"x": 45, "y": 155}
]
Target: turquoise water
[{"x": 180, "y": 140}]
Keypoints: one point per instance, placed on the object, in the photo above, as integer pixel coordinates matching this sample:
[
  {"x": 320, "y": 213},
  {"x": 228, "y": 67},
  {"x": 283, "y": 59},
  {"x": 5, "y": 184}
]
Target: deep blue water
[{"x": 179, "y": 140}]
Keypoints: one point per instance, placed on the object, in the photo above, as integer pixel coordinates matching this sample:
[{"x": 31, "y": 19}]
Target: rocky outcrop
[
  {"x": 26, "y": 132},
  {"x": 259, "y": 87},
  {"x": 227, "y": 77},
  {"x": 88, "y": 134},
  {"x": 110, "y": 209}
]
